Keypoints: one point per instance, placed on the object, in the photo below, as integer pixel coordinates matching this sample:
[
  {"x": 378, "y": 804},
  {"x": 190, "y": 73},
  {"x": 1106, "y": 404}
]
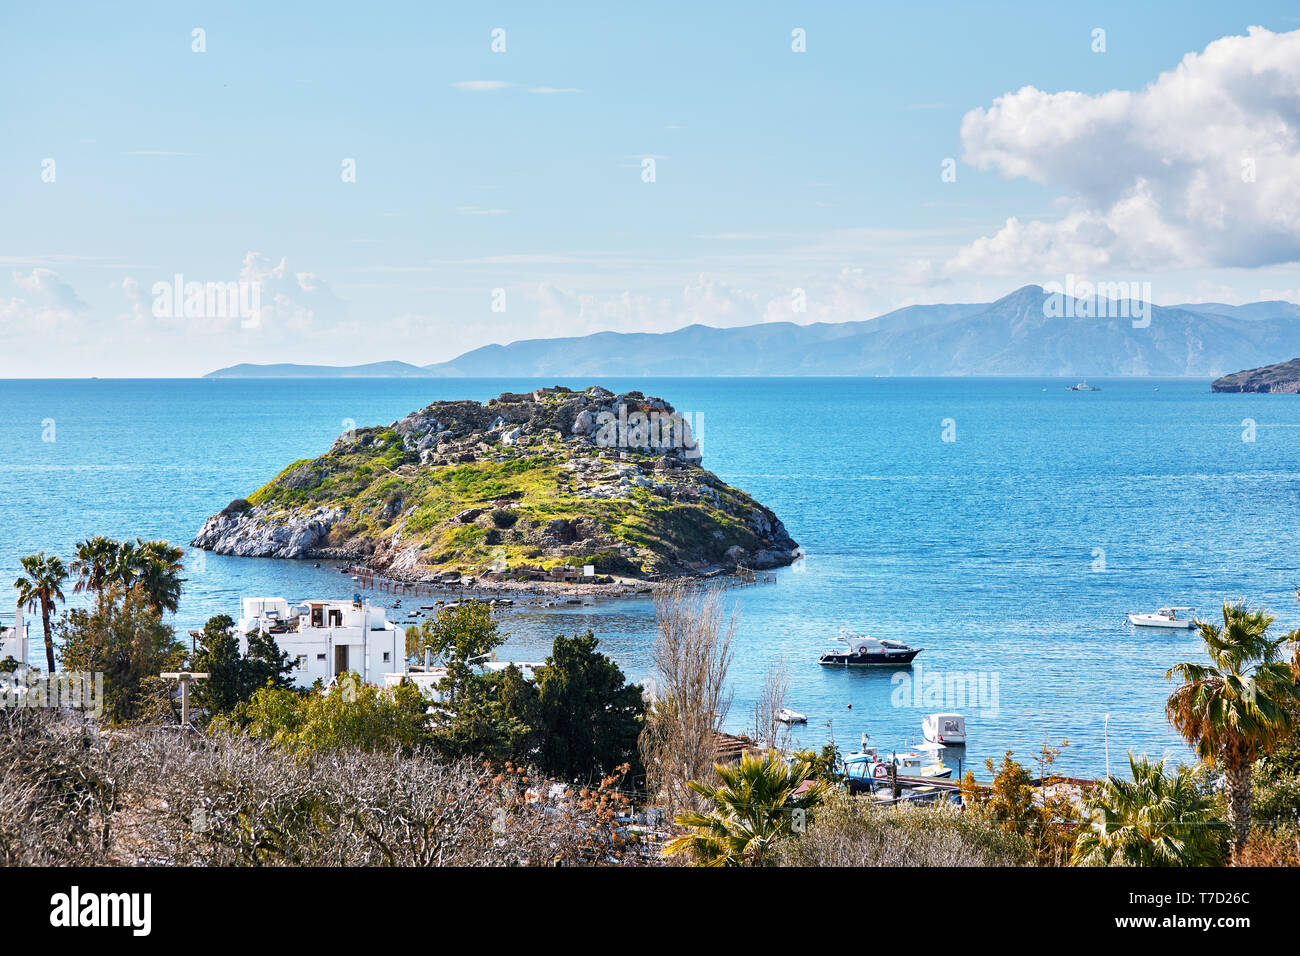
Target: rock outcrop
[
  {"x": 522, "y": 486},
  {"x": 262, "y": 532},
  {"x": 1284, "y": 377}
]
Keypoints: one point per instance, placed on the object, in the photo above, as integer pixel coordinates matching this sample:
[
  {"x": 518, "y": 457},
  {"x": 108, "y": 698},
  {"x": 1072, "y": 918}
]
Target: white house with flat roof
[{"x": 328, "y": 638}]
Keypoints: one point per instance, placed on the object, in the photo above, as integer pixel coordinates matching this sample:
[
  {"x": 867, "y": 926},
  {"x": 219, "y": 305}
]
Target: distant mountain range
[
  {"x": 373, "y": 370},
  {"x": 1030, "y": 332}
]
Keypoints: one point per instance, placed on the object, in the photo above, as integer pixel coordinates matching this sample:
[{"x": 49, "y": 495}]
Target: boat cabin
[{"x": 945, "y": 729}]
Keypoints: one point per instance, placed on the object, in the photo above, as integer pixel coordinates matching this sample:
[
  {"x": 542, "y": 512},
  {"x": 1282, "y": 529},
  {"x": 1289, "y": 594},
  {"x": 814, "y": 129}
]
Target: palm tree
[
  {"x": 96, "y": 560},
  {"x": 1152, "y": 820},
  {"x": 754, "y": 805},
  {"x": 158, "y": 573},
  {"x": 42, "y": 586},
  {"x": 1241, "y": 705},
  {"x": 126, "y": 566}
]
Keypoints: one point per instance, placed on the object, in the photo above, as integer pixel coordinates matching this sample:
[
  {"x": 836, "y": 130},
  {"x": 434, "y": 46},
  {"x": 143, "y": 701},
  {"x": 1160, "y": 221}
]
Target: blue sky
[{"x": 523, "y": 170}]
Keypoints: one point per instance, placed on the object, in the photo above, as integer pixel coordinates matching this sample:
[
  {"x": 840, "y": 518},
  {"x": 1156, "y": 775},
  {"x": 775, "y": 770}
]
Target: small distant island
[
  {"x": 522, "y": 488},
  {"x": 1283, "y": 377}
]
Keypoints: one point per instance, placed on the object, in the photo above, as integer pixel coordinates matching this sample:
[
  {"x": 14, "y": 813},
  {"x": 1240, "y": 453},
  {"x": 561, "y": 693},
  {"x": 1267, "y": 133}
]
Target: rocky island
[
  {"x": 523, "y": 487},
  {"x": 1283, "y": 377}
]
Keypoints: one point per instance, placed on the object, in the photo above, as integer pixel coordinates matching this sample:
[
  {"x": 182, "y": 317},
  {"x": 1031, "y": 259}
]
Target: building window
[
  {"x": 301, "y": 661},
  {"x": 387, "y": 657},
  {"x": 320, "y": 657}
]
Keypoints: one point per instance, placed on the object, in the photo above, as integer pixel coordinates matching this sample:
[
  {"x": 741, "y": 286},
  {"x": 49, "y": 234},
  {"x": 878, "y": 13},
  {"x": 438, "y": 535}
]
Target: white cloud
[
  {"x": 287, "y": 302},
  {"x": 47, "y": 289},
  {"x": 480, "y": 86},
  {"x": 130, "y": 287},
  {"x": 46, "y": 302},
  {"x": 1157, "y": 178},
  {"x": 705, "y": 299},
  {"x": 294, "y": 301}
]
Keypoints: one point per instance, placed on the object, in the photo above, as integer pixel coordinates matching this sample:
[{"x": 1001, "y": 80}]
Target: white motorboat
[
  {"x": 861, "y": 651},
  {"x": 787, "y": 716},
  {"x": 944, "y": 728},
  {"x": 912, "y": 765},
  {"x": 1165, "y": 617},
  {"x": 1084, "y": 387},
  {"x": 868, "y": 766}
]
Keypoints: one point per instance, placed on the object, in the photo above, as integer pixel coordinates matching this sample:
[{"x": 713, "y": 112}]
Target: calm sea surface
[{"x": 1012, "y": 552}]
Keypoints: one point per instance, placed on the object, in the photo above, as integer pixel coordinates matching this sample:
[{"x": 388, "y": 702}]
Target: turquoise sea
[{"x": 1012, "y": 552}]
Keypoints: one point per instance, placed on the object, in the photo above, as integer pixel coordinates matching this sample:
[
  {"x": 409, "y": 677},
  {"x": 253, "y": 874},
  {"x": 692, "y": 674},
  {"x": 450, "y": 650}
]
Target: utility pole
[
  {"x": 1108, "y": 745},
  {"x": 184, "y": 677}
]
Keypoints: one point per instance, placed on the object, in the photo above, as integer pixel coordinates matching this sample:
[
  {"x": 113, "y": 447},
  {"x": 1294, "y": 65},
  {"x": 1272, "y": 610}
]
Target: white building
[
  {"x": 13, "y": 640},
  {"x": 427, "y": 678},
  {"x": 328, "y": 638}
]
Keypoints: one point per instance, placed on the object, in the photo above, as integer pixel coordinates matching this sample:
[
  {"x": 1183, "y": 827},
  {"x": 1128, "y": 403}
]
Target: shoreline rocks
[{"x": 255, "y": 533}]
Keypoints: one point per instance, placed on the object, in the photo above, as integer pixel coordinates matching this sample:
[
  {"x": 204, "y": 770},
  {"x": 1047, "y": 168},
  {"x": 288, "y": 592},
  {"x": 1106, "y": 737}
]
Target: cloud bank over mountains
[
  {"x": 1191, "y": 182},
  {"x": 1199, "y": 169}
]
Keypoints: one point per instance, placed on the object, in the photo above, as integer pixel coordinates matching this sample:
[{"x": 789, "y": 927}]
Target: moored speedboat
[
  {"x": 787, "y": 716},
  {"x": 862, "y": 651},
  {"x": 912, "y": 764},
  {"x": 944, "y": 728},
  {"x": 868, "y": 767},
  {"x": 1165, "y": 617}
]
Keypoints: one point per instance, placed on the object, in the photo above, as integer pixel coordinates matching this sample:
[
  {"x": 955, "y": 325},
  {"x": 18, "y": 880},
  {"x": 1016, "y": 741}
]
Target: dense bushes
[
  {"x": 850, "y": 831},
  {"x": 154, "y": 795},
  {"x": 58, "y": 794},
  {"x": 349, "y": 716}
]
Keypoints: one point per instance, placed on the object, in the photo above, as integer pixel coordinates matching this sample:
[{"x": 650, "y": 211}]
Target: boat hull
[
  {"x": 956, "y": 740},
  {"x": 891, "y": 659},
  {"x": 1142, "y": 620}
]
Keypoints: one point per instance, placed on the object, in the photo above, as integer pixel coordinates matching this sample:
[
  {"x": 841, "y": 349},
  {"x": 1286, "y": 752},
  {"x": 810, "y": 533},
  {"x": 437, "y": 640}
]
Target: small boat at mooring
[
  {"x": 861, "y": 651},
  {"x": 787, "y": 716},
  {"x": 1084, "y": 387},
  {"x": 1165, "y": 617},
  {"x": 945, "y": 729},
  {"x": 868, "y": 767}
]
